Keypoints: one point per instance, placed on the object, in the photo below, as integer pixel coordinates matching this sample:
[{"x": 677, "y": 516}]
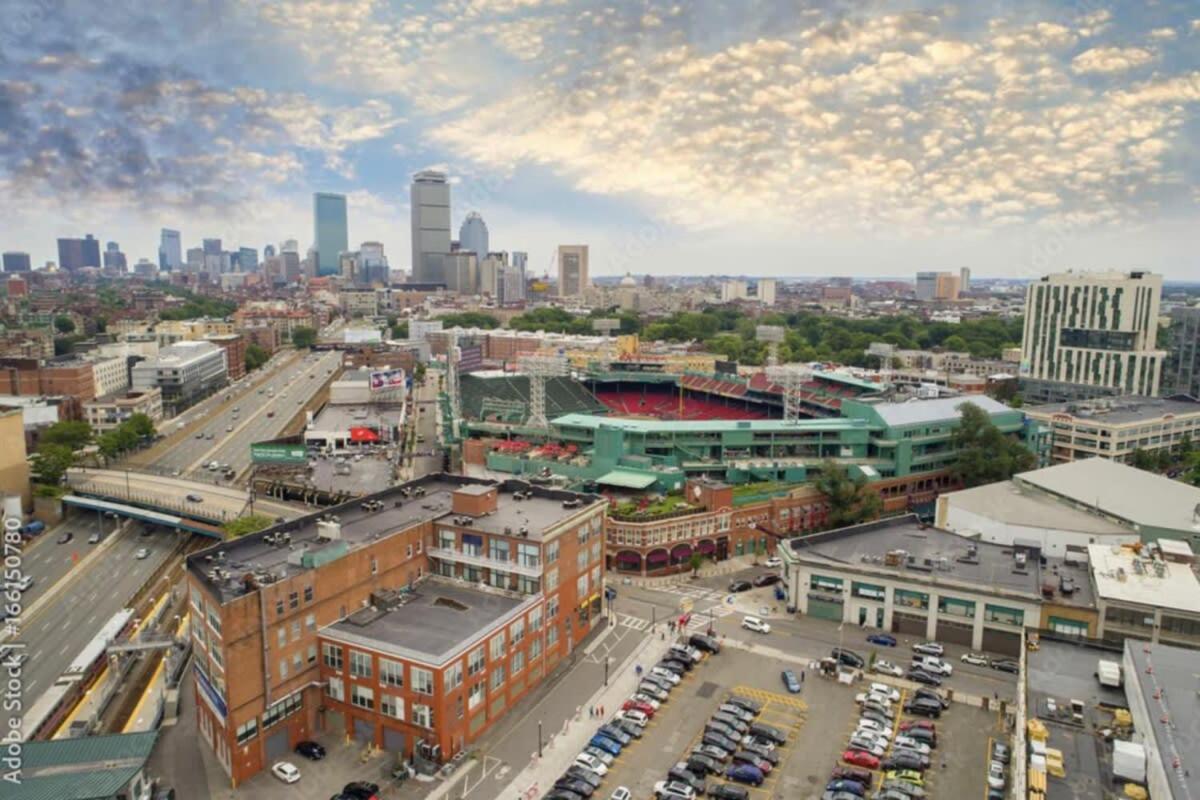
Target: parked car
[
  {"x": 935, "y": 665},
  {"x": 884, "y": 667},
  {"x": 285, "y": 771},
  {"x": 589, "y": 761},
  {"x": 762, "y": 750},
  {"x": 911, "y": 743},
  {"x": 705, "y": 643},
  {"x": 767, "y": 579},
  {"x": 745, "y": 773},
  {"x": 872, "y": 746},
  {"x": 912, "y": 724},
  {"x": 724, "y": 730},
  {"x": 731, "y": 721},
  {"x": 851, "y": 773},
  {"x": 728, "y": 791},
  {"x": 906, "y": 775},
  {"x": 929, "y": 649},
  {"x": 94, "y": 538},
  {"x": 924, "y": 676},
  {"x": 875, "y": 725},
  {"x": 1001, "y": 752},
  {"x": 855, "y": 788},
  {"x": 654, "y": 690},
  {"x": 904, "y": 788},
  {"x": 925, "y": 708},
  {"x": 555, "y": 793},
  {"x": 670, "y": 676},
  {"x": 576, "y": 785},
  {"x": 882, "y": 639},
  {"x": 720, "y": 740},
  {"x": 891, "y": 692},
  {"x": 755, "y": 624},
  {"x": 364, "y": 790},
  {"x": 737, "y": 711},
  {"x": 712, "y": 751},
  {"x": 613, "y": 732},
  {"x": 753, "y": 706},
  {"x": 996, "y": 778},
  {"x": 930, "y": 694},
  {"x": 740, "y": 586},
  {"x": 702, "y": 764},
  {"x": 310, "y": 750},
  {"x": 677, "y": 667},
  {"x": 682, "y": 774},
  {"x": 629, "y": 726},
  {"x": 860, "y": 758},
  {"x": 790, "y": 681},
  {"x": 768, "y": 732},
  {"x": 141, "y": 554},
  {"x": 977, "y": 659},
  {"x": 1005, "y": 665},
  {"x": 673, "y": 790},
  {"x": 878, "y": 707},
  {"x": 876, "y": 698},
  {"x": 906, "y": 759},
  {"x": 603, "y": 756},
  {"x": 606, "y": 744},
  {"x": 582, "y": 773},
  {"x": 847, "y": 658},
  {"x": 773, "y": 562},
  {"x": 922, "y": 735},
  {"x": 66, "y": 537},
  {"x": 642, "y": 702}
]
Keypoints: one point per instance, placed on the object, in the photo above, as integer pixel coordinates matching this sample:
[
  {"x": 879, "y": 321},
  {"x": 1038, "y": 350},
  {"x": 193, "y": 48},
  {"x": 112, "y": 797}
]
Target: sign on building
[
  {"x": 385, "y": 380},
  {"x": 278, "y": 454}
]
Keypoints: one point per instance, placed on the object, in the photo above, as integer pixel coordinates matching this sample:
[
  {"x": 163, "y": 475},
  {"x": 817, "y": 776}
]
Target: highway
[
  {"x": 170, "y": 495},
  {"x": 256, "y": 413},
  {"x": 425, "y": 414},
  {"x": 46, "y": 561},
  {"x": 63, "y": 627}
]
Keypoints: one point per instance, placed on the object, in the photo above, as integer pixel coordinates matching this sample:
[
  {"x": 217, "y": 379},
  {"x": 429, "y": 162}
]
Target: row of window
[{"x": 904, "y": 598}]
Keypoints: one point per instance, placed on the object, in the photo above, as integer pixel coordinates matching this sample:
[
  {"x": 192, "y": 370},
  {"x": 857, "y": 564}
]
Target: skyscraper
[
  {"x": 170, "y": 250},
  {"x": 473, "y": 235},
  {"x": 17, "y": 262},
  {"x": 114, "y": 259},
  {"x": 1182, "y": 372},
  {"x": 269, "y": 251},
  {"x": 1089, "y": 334},
  {"x": 430, "y": 204},
  {"x": 330, "y": 230},
  {"x": 76, "y": 254},
  {"x": 572, "y": 269},
  {"x": 247, "y": 259}
]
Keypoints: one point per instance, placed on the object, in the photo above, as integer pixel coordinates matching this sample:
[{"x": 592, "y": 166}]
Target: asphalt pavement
[{"x": 47, "y": 562}]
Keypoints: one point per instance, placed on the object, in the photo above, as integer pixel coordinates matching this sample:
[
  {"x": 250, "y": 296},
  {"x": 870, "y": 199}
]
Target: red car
[
  {"x": 860, "y": 759},
  {"x": 637, "y": 705},
  {"x": 917, "y": 723},
  {"x": 851, "y": 774}
]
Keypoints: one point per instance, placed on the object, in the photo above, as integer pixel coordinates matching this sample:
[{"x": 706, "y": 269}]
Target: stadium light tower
[
  {"x": 453, "y": 390},
  {"x": 790, "y": 377},
  {"x": 539, "y": 368},
  {"x": 773, "y": 336}
]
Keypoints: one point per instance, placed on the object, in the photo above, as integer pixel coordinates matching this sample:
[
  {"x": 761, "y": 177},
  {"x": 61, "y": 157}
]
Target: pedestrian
[
  {"x": 602, "y": 711},
  {"x": 802, "y": 676}
]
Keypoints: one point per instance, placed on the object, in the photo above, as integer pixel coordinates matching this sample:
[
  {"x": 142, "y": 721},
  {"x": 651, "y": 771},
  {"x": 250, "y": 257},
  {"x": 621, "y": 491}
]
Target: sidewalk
[
  {"x": 710, "y": 569},
  {"x": 560, "y": 747}
]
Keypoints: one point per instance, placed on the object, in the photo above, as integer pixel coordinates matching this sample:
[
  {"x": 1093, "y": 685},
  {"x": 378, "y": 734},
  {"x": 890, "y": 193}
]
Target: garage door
[
  {"x": 335, "y": 723},
  {"x": 1004, "y": 642},
  {"x": 954, "y": 632},
  {"x": 909, "y": 624},
  {"x": 277, "y": 745},
  {"x": 393, "y": 741},
  {"x": 364, "y": 731},
  {"x": 824, "y": 609}
]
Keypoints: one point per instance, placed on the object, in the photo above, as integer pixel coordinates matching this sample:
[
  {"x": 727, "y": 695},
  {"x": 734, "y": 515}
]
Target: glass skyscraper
[{"x": 330, "y": 231}]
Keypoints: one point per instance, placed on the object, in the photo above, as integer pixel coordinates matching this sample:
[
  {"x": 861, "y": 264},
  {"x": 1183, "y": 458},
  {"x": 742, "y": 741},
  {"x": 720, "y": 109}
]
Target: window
[
  {"x": 419, "y": 542},
  {"x": 297, "y": 662},
  {"x": 408, "y": 553},
  {"x": 294, "y": 600},
  {"x": 1002, "y": 614},
  {"x": 551, "y": 636},
  {"x": 392, "y": 706},
  {"x": 295, "y": 630},
  {"x": 582, "y": 534},
  {"x": 284, "y": 708},
  {"x": 869, "y": 591},
  {"x": 198, "y": 601},
  {"x": 475, "y": 663},
  {"x": 475, "y": 696},
  {"x": 581, "y": 560},
  {"x": 331, "y": 654},
  {"x": 496, "y": 646},
  {"x": 535, "y": 619},
  {"x": 374, "y": 566},
  {"x": 552, "y": 551},
  {"x": 446, "y": 540},
  {"x": 527, "y": 585},
  {"x": 535, "y": 647},
  {"x": 581, "y": 585},
  {"x": 552, "y": 579},
  {"x": 422, "y": 680},
  {"x": 498, "y": 549},
  {"x": 528, "y": 555},
  {"x": 391, "y": 673},
  {"x": 216, "y": 657},
  {"x": 422, "y": 715},
  {"x": 453, "y": 676},
  {"x": 518, "y": 662},
  {"x": 336, "y": 689},
  {"x": 595, "y": 551},
  {"x": 283, "y": 669},
  {"x": 820, "y": 582},
  {"x": 281, "y": 635},
  {"x": 497, "y": 677},
  {"x": 308, "y": 594},
  {"x": 247, "y": 731},
  {"x": 214, "y": 621},
  {"x": 517, "y": 631},
  {"x": 498, "y": 579},
  {"x": 552, "y": 607},
  {"x": 362, "y": 697},
  {"x": 907, "y": 599},
  {"x": 458, "y": 706},
  {"x": 310, "y": 622},
  {"x": 279, "y": 607},
  {"x": 956, "y": 608},
  {"x": 311, "y": 656},
  {"x": 360, "y": 664}
]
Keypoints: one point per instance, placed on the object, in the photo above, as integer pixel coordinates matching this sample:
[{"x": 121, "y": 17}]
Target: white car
[
  {"x": 756, "y": 624},
  {"x": 909, "y": 743},
  {"x": 887, "y": 668},
  {"x": 929, "y": 649},
  {"x": 871, "y": 746},
  {"x": 978, "y": 659},
  {"x": 285, "y": 771},
  {"x": 890, "y": 692},
  {"x": 621, "y": 793},
  {"x": 673, "y": 790},
  {"x": 996, "y": 777},
  {"x": 873, "y": 697},
  {"x": 871, "y": 735},
  {"x": 936, "y": 666},
  {"x": 872, "y": 725},
  {"x": 774, "y": 561},
  {"x": 633, "y": 715},
  {"x": 665, "y": 674},
  {"x": 589, "y": 761}
]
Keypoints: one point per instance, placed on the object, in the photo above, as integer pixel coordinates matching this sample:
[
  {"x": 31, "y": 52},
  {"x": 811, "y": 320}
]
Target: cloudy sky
[{"x": 745, "y": 136}]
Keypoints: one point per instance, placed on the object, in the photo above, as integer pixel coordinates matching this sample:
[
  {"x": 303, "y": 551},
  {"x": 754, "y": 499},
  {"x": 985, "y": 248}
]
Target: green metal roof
[
  {"x": 708, "y": 426},
  {"x": 627, "y": 479},
  {"x": 87, "y": 768},
  {"x": 849, "y": 380}
]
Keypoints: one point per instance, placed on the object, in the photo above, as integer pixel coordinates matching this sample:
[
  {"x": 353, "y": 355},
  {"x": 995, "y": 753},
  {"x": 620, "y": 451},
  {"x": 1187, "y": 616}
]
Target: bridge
[{"x": 162, "y": 500}]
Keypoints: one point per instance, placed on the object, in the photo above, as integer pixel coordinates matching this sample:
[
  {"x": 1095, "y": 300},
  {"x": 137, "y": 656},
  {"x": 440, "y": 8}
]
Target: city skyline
[{"x": 1016, "y": 140}]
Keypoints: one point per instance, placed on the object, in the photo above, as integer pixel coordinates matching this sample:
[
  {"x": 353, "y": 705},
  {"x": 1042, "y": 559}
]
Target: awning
[
  {"x": 358, "y": 434},
  {"x": 626, "y": 479}
]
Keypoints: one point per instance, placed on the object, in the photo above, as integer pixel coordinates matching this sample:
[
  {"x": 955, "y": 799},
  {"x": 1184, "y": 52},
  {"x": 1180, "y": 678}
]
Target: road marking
[
  {"x": 63, "y": 652},
  {"x": 38, "y": 655}
]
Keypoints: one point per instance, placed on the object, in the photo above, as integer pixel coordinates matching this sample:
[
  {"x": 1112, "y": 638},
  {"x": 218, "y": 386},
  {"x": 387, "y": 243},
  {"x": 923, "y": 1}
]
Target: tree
[
  {"x": 51, "y": 462},
  {"x": 470, "y": 319},
  {"x": 64, "y": 324},
  {"x": 304, "y": 337},
  {"x": 851, "y": 499},
  {"x": 695, "y": 562},
  {"x": 141, "y": 425},
  {"x": 1142, "y": 459},
  {"x": 983, "y": 453},
  {"x": 399, "y": 330},
  {"x": 255, "y": 357},
  {"x": 251, "y": 523},
  {"x": 70, "y": 433},
  {"x": 956, "y": 344}
]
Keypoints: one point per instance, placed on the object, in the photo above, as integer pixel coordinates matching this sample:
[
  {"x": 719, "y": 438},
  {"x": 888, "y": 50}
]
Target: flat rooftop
[
  {"x": 1018, "y": 504},
  {"x": 345, "y": 416},
  {"x": 1127, "y": 493},
  {"x": 439, "y": 619},
  {"x": 1166, "y": 678},
  {"x": 936, "y": 556},
  {"x": 1122, "y": 410},
  {"x": 914, "y": 412},
  {"x": 1125, "y": 577}
]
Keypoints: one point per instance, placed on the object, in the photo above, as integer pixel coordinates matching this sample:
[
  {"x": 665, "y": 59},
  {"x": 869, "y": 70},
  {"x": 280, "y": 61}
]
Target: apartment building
[
  {"x": 322, "y": 623},
  {"x": 234, "y": 345},
  {"x": 1115, "y": 427},
  {"x": 184, "y": 371},
  {"x": 110, "y": 375},
  {"x": 106, "y": 413},
  {"x": 1089, "y": 334}
]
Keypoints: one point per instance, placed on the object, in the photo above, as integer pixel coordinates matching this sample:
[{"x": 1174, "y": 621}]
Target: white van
[{"x": 756, "y": 624}]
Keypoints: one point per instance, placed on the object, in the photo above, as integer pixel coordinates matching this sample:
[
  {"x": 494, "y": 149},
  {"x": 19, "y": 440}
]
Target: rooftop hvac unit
[{"x": 329, "y": 528}]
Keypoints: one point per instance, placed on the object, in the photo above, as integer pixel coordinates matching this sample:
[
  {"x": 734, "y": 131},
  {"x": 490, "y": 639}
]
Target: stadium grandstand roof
[
  {"x": 626, "y": 479},
  {"x": 915, "y": 412},
  {"x": 705, "y": 426},
  {"x": 849, "y": 380}
]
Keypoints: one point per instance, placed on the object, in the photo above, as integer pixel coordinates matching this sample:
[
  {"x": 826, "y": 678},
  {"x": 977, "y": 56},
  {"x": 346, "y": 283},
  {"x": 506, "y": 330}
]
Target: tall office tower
[
  {"x": 170, "y": 250},
  {"x": 330, "y": 230},
  {"x": 512, "y": 285},
  {"x": 1182, "y": 372},
  {"x": 430, "y": 203},
  {"x": 461, "y": 271},
  {"x": 212, "y": 247},
  {"x": 1089, "y": 334},
  {"x": 212, "y": 257},
  {"x": 17, "y": 262},
  {"x": 572, "y": 269},
  {"x": 490, "y": 270},
  {"x": 290, "y": 253},
  {"x": 91, "y": 251},
  {"x": 114, "y": 259},
  {"x": 473, "y": 235},
  {"x": 195, "y": 259},
  {"x": 964, "y": 279},
  {"x": 373, "y": 264},
  {"x": 247, "y": 259},
  {"x": 269, "y": 251},
  {"x": 74, "y": 254},
  {"x": 935, "y": 286},
  {"x": 519, "y": 258}
]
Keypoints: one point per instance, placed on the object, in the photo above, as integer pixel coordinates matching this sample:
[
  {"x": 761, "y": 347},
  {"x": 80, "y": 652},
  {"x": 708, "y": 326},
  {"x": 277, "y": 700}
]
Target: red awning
[{"x": 363, "y": 435}]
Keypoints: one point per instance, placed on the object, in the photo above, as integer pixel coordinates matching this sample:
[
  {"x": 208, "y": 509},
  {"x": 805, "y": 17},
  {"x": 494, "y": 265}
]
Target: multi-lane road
[
  {"x": 62, "y": 627},
  {"x": 254, "y": 412}
]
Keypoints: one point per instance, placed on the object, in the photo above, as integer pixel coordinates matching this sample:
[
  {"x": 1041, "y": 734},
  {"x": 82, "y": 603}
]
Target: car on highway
[
  {"x": 208, "y": 436},
  {"x": 66, "y": 537},
  {"x": 924, "y": 676},
  {"x": 285, "y": 771},
  {"x": 142, "y": 554},
  {"x": 200, "y": 435},
  {"x": 195, "y": 498},
  {"x": 847, "y": 658},
  {"x": 790, "y": 681},
  {"x": 229, "y": 429}
]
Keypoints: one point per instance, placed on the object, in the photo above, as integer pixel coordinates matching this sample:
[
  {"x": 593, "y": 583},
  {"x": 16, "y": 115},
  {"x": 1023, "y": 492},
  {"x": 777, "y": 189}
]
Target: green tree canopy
[
  {"x": 985, "y": 455},
  {"x": 399, "y": 330},
  {"x": 251, "y": 523},
  {"x": 304, "y": 337},
  {"x": 470, "y": 319},
  {"x": 71, "y": 433},
  {"x": 851, "y": 499},
  {"x": 64, "y": 324},
  {"x": 255, "y": 357},
  {"x": 51, "y": 462}
]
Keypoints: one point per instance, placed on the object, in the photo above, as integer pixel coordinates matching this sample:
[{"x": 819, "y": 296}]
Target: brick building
[
  {"x": 234, "y": 345},
  {"x": 30, "y": 376},
  {"x": 308, "y": 626}
]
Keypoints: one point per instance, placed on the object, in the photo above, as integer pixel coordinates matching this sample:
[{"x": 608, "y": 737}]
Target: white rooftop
[
  {"x": 1142, "y": 498},
  {"x": 916, "y": 411},
  {"x": 1125, "y": 577}
]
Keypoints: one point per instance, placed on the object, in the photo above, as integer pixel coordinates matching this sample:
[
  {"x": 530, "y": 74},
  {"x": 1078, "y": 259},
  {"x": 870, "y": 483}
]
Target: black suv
[
  {"x": 705, "y": 643},
  {"x": 847, "y": 658}
]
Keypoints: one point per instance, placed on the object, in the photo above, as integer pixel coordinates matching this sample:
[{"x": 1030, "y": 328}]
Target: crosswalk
[{"x": 699, "y": 622}]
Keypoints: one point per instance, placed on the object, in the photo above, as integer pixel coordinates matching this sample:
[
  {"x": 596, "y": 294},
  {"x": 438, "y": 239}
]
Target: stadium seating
[
  {"x": 664, "y": 403},
  {"x": 563, "y": 395}
]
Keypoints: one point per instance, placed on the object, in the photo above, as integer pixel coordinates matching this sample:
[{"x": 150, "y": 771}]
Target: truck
[{"x": 1109, "y": 673}]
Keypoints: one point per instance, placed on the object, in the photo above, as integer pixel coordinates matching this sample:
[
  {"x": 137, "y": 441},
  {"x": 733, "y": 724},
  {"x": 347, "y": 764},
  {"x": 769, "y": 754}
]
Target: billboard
[
  {"x": 386, "y": 380},
  {"x": 278, "y": 454},
  {"x": 725, "y": 367}
]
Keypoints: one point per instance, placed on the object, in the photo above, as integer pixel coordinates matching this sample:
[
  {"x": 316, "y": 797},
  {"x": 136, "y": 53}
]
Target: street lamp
[
  {"x": 606, "y": 660},
  {"x": 539, "y": 738}
]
